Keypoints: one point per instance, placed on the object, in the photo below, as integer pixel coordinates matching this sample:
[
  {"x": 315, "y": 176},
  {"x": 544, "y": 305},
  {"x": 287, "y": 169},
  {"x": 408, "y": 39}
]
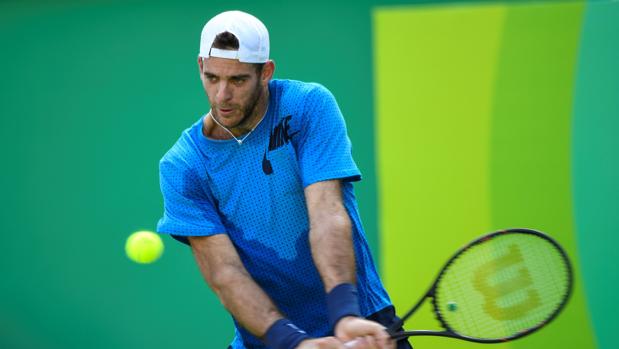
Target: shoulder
[
  {"x": 184, "y": 154},
  {"x": 294, "y": 91},
  {"x": 301, "y": 100}
]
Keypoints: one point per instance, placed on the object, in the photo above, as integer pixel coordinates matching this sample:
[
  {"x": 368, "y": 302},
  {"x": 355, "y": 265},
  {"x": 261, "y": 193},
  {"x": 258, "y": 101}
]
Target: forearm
[
  {"x": 331, "y": 242},
  {"x": 235, "y": 288},
  {"x": 332, "y": 247},
  {"x": 247, "y": 302},
  {"x": 330, "y": 234}
]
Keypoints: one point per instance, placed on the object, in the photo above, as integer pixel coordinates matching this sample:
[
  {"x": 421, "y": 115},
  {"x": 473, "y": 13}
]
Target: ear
[
  {"x": 267, "y": 71},
  {"x": 200, "y": 64}
]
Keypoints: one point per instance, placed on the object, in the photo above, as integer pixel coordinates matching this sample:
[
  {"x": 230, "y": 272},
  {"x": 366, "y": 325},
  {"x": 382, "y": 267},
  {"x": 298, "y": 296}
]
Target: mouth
[{"x": 225, "y": 111}]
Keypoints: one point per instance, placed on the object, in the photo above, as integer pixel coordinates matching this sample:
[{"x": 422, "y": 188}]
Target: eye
[
  {"x": 238, "y": 81},
  {"x": 211, "y": 78}
]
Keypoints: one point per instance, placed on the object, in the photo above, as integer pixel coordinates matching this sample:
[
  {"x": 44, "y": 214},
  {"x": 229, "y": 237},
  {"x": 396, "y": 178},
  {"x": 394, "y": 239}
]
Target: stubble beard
[{"x": 245, "y": 122}]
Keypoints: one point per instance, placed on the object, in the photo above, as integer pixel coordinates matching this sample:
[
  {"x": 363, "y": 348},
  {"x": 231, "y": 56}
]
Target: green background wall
[{"x": 464, "y": 117}]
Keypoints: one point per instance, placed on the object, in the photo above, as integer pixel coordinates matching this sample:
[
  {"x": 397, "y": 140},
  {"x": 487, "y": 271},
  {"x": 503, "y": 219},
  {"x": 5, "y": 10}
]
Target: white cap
[{"x": 252, "y": 35}]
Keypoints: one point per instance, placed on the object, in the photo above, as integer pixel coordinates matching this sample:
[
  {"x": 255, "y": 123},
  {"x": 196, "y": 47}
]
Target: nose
[{"x": 224, "y": 92}]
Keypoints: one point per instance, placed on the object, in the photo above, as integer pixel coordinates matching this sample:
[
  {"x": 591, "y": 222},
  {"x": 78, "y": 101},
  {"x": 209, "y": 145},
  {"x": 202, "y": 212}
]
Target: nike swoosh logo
[{"x": 267, "y": 168}]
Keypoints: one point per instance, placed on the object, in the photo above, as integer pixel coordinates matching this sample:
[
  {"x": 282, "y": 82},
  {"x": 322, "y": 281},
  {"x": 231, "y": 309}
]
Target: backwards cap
[{"x": 252, "y": 35}]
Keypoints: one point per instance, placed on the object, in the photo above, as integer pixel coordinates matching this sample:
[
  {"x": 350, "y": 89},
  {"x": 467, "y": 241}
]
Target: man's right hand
[
  {"x": 334, "y": 343},
  {"x": 361, "y": 333},
  {"x": 322, "y": 343}
]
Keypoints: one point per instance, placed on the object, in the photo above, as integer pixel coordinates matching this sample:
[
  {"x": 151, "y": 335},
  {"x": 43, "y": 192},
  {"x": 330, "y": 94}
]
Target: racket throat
[{"x": 394, "y": 328}]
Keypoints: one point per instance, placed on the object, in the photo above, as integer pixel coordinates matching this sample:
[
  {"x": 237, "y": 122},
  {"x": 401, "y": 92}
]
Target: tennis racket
[{"x": 499, "y": 287}]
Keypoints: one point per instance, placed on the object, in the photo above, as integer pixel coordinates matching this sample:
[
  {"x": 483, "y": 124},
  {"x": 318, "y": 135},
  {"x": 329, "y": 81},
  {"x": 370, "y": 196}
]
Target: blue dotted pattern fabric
[{"x": 254, "y": 193}]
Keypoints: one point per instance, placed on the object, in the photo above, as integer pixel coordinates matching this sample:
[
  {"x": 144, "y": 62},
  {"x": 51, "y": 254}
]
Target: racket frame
[{"x": 448, "y": 331}]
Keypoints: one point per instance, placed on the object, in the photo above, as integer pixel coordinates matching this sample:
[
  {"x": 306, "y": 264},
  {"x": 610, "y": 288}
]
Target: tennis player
[{"x": 261, "y": 188}]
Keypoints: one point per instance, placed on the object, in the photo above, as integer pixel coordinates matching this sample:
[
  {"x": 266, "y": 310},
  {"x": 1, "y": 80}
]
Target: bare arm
[
  {"x": 330, "y": 234},
  {"x": 334, "y": 256},
  {"x": 225, "y": 274},
  {"x": 252, "y": 308}
]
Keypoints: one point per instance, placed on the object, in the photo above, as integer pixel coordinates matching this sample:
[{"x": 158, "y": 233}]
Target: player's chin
[{"x": 230, "y": 119}]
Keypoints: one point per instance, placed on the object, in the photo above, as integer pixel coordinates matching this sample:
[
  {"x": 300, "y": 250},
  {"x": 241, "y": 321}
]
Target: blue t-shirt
[{"x": 254, "y": 193}]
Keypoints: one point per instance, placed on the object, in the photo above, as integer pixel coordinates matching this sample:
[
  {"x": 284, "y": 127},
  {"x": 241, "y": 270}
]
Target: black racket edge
[{"x": 449, "y": 332}]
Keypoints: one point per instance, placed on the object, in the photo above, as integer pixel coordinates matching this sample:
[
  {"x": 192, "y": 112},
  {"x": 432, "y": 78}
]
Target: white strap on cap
[{"x": 229, "y": 54}]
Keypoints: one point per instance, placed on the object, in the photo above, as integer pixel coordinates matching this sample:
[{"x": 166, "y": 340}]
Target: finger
[
  {"x": 361, "y": 343},
  {"x": 334, "y": 343},
  {"x": 377, "y": 336},
  {"x": 389, "y": 343},
  {"x": 384, "y": 340},
  {"x": 351, "y": 344},
  {"x": 372, "y": 343}
]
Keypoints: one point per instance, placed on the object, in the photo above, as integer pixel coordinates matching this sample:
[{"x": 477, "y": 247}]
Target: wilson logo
[{"x": 497, "y": 284}]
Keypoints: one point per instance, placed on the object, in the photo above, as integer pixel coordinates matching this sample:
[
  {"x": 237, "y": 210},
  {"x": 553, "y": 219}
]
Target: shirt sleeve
[
  {"x": 188, "y": 209},
  {"x": 324, "y": 149}
]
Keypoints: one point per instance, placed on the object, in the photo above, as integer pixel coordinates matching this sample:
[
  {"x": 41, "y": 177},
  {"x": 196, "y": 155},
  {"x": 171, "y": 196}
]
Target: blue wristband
[
  {"x": 283, "y": 334},
  {"x": 342, "y": 301}
]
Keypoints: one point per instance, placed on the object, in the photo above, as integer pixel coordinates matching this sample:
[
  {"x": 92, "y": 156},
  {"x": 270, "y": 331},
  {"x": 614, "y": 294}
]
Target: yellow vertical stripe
[{"x": 434, "y": 74}]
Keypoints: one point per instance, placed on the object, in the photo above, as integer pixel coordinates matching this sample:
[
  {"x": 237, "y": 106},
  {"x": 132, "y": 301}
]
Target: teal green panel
[
  {"x": 88, "y": 113},
  {"x": 596, "y": 165},
  {"x": 92, "y": 93}
]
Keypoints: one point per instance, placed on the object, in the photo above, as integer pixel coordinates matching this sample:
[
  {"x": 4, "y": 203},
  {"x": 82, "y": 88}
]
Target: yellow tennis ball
[{"x": 144, "y": 247}]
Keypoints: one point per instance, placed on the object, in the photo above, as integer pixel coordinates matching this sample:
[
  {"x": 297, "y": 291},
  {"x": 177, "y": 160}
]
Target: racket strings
[
  {"x": 502, "y": 287},
  {"x": 505, "y": 318}
]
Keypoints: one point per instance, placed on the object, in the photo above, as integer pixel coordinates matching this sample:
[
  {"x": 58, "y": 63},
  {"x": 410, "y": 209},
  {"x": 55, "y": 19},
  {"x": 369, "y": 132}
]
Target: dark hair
[{"x": 228, "y": 41}]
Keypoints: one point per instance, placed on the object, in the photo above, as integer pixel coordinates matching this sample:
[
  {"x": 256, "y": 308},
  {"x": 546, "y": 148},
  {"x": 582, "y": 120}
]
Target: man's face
[{"x": 233, "y": 89}]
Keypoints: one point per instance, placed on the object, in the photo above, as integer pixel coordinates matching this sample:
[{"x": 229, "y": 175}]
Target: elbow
[
  {"x": 333, "y": 225},
  {"x": 341, "y": 223}
]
